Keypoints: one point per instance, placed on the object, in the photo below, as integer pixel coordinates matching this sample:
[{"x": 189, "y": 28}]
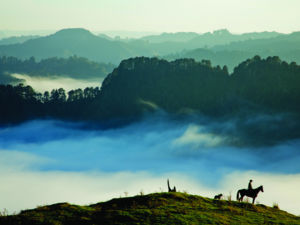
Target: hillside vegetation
[
  {"x": 256, "y": 84},
  {"x": 140, "y": 86},
  {"x": 74, "y": 67},
  {"x": 158, "y": 208}
]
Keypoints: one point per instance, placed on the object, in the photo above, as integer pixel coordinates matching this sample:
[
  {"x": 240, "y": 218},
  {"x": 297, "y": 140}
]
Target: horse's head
[{"x": 261, "y": 188}]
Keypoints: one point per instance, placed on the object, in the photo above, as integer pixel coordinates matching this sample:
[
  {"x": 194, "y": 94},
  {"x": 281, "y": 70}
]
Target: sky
[{"x": 238, "y": 16}]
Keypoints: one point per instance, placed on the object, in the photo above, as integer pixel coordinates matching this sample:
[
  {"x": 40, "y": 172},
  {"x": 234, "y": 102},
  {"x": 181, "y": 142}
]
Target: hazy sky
[{"x": 151, "y": 15}]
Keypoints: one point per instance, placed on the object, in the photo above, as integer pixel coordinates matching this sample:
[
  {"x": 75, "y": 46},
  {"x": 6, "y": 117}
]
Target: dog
[{"x": 218, "y": 197}]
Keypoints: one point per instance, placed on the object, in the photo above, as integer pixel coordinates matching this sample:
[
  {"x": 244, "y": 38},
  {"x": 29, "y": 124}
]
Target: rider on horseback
[
  {"x": 250, "y": 185},
  {"x": 252, "y": 193}
]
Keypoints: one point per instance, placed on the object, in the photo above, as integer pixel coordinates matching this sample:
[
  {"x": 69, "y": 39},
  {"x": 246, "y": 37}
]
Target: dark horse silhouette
[{"x": 252, "y": 193}]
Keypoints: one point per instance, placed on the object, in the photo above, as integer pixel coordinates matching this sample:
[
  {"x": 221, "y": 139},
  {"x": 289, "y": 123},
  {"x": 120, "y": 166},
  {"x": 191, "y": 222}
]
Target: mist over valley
[
  {"x": 206, "y": 140},
  {"x": 55, "y": 155},
  {"x": 42, "y": 84}
]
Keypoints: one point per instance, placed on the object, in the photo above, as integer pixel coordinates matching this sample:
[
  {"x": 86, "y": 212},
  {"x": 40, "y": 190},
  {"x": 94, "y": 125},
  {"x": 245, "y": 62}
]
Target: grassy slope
[{"x": 158, "y": 208}]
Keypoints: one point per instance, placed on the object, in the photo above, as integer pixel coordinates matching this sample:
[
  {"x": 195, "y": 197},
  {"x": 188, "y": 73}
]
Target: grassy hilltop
[{"x": 158, "y": 208}]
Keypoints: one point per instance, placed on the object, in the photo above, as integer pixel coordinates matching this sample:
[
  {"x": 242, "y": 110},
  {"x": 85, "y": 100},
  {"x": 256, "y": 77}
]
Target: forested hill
[
  {"x": 231, "y": 54},
  {"x": 256, "y": 84},
  {"x": 142, "y": 84},
  {"x": 74, "y": 67}
]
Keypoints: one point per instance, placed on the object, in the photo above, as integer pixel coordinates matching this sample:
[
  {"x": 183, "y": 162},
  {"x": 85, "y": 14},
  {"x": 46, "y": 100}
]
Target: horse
[{"x": 252, "y": 193}]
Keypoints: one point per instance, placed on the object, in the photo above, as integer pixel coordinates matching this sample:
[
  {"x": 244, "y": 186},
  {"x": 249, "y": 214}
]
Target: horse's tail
[{"x": 238, "y": 195}]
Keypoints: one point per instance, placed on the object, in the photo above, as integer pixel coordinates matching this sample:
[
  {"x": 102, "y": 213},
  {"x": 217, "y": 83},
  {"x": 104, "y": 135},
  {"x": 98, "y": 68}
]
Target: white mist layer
[
  {"x": 45, "y": 162},
  {"x": 24, "y": 189},
  {"x": 42, "y": 84}
]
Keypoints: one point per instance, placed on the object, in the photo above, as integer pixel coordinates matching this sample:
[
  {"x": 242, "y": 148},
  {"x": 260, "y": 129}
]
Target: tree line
[
  {"x": 19, "y": 103},
  {"x": 143, "y": 84},
  {"x": 74, "y": 66}
]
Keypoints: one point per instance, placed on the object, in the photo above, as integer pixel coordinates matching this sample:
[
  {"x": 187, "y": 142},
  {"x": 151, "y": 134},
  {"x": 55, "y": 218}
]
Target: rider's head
[{"x": 250, "y": 181}]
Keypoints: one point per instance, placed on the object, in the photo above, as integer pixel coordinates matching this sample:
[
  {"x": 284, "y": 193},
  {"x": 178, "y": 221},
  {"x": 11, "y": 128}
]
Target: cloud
[
  {"x": 196, "y": 137},
  {"x": 11, "y": 160},
  {"x": 44, "y": 162},
  {"x": 148, "y": 104},
  {"x": 28, "y": 188}
]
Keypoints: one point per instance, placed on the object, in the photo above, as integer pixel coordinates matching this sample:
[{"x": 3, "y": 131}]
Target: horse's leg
[
  {"x": 253, "y": 200},
  {"x": 241, "y": 199}
]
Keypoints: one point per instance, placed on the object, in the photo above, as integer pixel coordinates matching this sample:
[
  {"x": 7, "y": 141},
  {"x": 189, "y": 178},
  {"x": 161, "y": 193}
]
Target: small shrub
[
  {"x": 247, "y": 200},
  {"x": 142, "y": 192},
  {"x": 275, "y": 205},
  {"x": 229, "y": 197},
  {"x": 4, "y": 212}
]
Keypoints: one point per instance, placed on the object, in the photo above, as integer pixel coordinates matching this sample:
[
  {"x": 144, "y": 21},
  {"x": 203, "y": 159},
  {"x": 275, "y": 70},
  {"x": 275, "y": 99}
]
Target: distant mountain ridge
[
  {"x": 83, "y": 43},
  {"x": 225, "y": 37},
  {"x": 286, "y": 46},
  {"x": 69, "y": 42},
  {"x": 291, "y": 41},
  {"x": 221, "y": 36},
  {"x": 17, "y": 39},
  {"x": 173, "y": 37}
]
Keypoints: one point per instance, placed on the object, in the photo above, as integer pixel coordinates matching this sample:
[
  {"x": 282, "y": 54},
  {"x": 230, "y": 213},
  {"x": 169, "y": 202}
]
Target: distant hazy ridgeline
[{"x": 69, "y": 42}]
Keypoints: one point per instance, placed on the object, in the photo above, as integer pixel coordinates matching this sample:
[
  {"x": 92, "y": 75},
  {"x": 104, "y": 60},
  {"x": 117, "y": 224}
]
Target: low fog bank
[
  {"x": 42, "y": 84},
  {"x": 255, "y": 131},
  {"x": 43, "y": 162},
  {"x": 28, "y": 188}
]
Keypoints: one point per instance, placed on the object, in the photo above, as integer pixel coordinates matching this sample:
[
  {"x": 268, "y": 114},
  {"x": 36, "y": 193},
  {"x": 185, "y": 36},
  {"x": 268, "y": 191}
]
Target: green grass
[{"x": 157, "y": 208}]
